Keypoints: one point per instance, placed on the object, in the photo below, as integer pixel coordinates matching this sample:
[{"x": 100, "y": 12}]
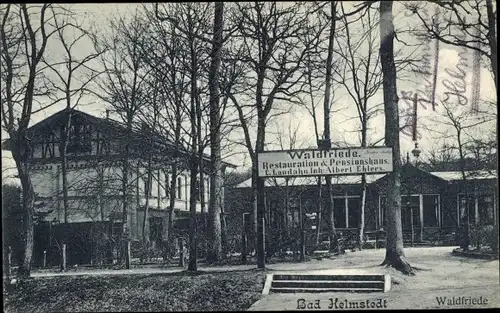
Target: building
[
  {"x": 433, "y": 204},
  {"x": 95, "y": 194}
]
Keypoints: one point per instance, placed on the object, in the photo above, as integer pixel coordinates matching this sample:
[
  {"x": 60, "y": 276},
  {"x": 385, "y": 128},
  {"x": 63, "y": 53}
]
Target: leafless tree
[
  {"x": 25, "y": 31},
  {"x": 73, "y": 76},
  {"x": 192, "y": 22},
  {"x": 360, "y": 74},
  {"x": 464, "y": 123},
  {"x": 274, "y": 46},
  {"x": 394, "y": 250},
  {"x": 215, "y": 248},
  {"x": 166, "y": 57},
  {"x": 469, "y": 24},
  {"x": 124, "y": 87}
]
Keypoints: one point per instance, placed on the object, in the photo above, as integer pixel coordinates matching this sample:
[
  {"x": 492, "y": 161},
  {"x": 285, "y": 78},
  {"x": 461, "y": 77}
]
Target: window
[
  {"x": 410, "y": 212},
  {"x": 340, "y": 212},
  {"x": 471, "y": 205},
  {"x": 148, "y": 185},
  {"x": 485, "y": 209},
  {"x": 79, "y": 137},
  {"x": 295, "y": 217},
  {"x": 197, "y": 187},
  {"x": 179, "y": 188},
  {"x": 383, "y": 205},
  {"x": 48, "y": 145},
  {"x": 354, "y": 209},
  {"x": 167, "y": 185},
  {"x": 431, "y": 210},
  {"x": 116, "y": 229}
]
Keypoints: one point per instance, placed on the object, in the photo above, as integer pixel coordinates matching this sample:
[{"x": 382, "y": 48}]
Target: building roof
[
  {"x": 457, "y": 175},
  {"x": 110, "y": 125}
]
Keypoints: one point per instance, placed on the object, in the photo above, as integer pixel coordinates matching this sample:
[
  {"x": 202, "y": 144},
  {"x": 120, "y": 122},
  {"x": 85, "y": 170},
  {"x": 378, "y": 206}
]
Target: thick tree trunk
[
  {"x": 193, "y": 161},
  {"x": 20, "y": 154},
  {"x": 259, "y": 147},
  {"x": 326, "y": 109},
  {"x": 394, "y": 247},
  {"x": 361, "y": 233},
  {"x": 126, "y": 236},
  {"x": 215, "y": 250}
]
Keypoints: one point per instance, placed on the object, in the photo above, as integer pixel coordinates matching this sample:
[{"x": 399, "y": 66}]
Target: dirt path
[{"x": 439, "y": 275}]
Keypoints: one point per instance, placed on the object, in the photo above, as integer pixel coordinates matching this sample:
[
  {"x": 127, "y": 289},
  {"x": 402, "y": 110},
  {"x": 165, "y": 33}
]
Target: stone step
[
  {"x": 326, "y": 284},
  {"x": 318, "y": 290},
  {"x": 329, "y": 277},
  {"x": 308, "y": 283}
]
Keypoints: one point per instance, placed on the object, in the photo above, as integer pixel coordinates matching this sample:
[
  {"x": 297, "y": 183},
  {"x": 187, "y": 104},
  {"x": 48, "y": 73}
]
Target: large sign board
[{"x": 310, "y": 162}]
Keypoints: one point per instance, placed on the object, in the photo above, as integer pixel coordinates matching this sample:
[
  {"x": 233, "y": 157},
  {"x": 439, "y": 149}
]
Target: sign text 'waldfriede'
[{"x": 347, "y": 161}]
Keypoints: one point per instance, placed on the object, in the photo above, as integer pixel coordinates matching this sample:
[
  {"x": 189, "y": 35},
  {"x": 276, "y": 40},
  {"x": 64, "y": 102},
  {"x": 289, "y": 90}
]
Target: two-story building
[{"x": 95, "y": 154}]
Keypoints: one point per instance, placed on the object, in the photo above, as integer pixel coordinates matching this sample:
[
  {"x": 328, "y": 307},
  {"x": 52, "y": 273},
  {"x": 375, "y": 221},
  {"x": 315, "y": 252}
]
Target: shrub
[{"x": 483, "y": 235}]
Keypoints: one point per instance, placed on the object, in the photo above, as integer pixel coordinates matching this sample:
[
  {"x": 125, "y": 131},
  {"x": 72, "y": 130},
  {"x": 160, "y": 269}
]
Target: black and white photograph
[{"x": 249, "y": 156}]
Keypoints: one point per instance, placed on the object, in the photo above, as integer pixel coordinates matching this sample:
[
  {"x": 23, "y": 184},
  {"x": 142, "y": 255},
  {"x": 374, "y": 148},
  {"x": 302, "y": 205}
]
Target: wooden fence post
[
  {"x": 63, "y": 267},
  {"x": 181, "y": 252},
  {"x": 128, "y": 256},
  {"x": 244, "y": 244}
]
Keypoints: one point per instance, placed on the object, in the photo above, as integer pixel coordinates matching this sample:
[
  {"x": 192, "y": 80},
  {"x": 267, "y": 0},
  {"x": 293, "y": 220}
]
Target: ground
[{"x": 439, "y": 274}]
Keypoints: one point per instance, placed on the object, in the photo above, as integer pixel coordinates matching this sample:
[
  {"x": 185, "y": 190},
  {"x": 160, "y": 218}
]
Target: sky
[{"x": 432, "y": 126}]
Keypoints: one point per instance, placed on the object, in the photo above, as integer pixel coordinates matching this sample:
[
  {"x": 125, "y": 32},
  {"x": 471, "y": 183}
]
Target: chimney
[{"x": 107, "y": 114}]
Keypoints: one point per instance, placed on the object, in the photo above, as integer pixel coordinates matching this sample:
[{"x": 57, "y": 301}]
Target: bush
[{"x": 483, "y": 235}]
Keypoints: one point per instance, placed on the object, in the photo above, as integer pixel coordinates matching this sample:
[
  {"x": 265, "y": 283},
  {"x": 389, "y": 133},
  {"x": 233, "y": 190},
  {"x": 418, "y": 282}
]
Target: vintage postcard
[{"x": 213, "y": 156}]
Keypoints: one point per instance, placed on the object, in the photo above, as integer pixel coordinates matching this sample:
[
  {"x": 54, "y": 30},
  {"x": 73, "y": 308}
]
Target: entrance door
[{"x": 410, "y": 206}]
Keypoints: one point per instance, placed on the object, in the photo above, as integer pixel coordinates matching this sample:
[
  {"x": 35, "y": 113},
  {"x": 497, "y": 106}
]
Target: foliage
[
  {"x": 483, "y": 235},
  {"x": 12, "y": 219}
]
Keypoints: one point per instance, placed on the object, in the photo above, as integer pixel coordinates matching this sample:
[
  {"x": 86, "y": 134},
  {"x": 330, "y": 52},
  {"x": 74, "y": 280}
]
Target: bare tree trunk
[
  {"x": 20, "y": 154},
  {"x": 145, "y": 237},
  {"x": 193, "y": 162},
  {"x": 259, "y": 147},
  {"x": 363, "y": 185},
  {"x": 125, "y": 210},
  {"x": 215, "y": 204},
  {"x": 253, "y": 236},
  {"x": 394, "y": 248},
  {"x": 168, "y": 226},
  {"x": 326, "y": 108},
  {"x": 362, "y": 213},
  {"x": 466, "y": 218},
  {"x": 64, "y": 160},
  {"x": 193, "y": 229}
]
